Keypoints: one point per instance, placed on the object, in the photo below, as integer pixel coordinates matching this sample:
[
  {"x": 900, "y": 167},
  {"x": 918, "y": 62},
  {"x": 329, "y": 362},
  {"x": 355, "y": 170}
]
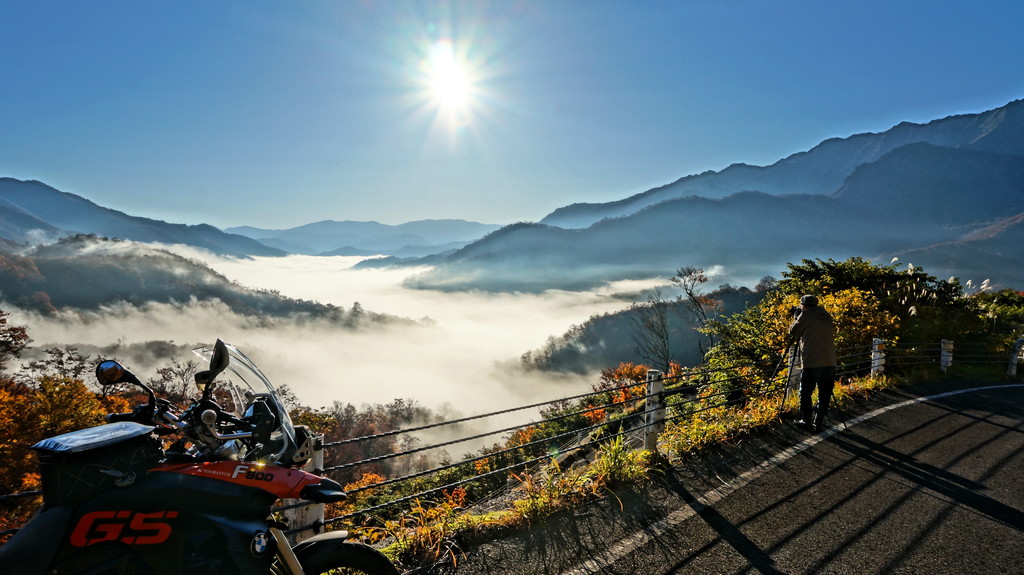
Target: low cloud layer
[{"x": 463, "y": 352}]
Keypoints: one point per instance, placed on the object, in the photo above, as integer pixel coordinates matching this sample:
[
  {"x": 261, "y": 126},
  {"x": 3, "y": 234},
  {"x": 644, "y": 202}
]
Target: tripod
[{"x": 790, "y": 354}]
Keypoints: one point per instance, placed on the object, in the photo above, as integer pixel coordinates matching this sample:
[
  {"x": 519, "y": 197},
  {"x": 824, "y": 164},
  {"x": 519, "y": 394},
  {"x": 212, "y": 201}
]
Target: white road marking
[{"x": 630, "y": 543}]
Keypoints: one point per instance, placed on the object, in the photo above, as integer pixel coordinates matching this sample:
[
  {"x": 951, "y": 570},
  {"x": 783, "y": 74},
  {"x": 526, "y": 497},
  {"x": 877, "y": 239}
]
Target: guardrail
[
  {"x": 637, "y": 411},
  {"x": 642, "y": 417}
]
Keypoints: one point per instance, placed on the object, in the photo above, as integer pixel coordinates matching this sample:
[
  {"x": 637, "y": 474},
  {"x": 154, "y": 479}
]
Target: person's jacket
[{"x": 814, "y": 328}]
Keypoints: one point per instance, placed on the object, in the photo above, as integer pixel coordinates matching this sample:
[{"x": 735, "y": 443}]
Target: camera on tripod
[{"x": 795, "y": 311}]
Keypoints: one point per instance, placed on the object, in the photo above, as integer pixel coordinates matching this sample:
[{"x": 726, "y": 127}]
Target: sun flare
[{"x": 448, "y": 79}]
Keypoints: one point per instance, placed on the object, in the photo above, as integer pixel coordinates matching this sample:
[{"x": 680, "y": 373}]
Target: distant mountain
[
  {"x": 750, "y": 234},
  {"x": 989, "y": 252},
  {"x": 955, "y": 210},
  {"x": 31, "y": 212},
  {"x": 409, "y": 251},
  {"x": 20, "y": 226},
  {"x": 945, "y": 186},
  {"x": 328, "y": 237},
  {"x": 824, "y": 168}
]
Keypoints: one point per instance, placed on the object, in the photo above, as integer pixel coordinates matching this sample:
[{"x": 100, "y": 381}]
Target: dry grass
[{"x": 430, "y": 533}]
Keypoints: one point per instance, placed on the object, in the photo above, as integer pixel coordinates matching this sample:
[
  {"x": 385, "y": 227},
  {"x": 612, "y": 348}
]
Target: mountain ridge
[
  {"x": 821, "y": 169},
  {"x": 327, "y": 237},
  {"x": 68, "y": 214},
  {"x": 919, "y": 199},
  {"x": 32, "y": 212}
]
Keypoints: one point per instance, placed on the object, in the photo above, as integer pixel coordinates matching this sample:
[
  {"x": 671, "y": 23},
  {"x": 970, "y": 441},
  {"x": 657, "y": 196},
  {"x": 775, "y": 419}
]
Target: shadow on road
[
  {"x": 729, "y": 533},
  {"x": 931, "y": 487}
]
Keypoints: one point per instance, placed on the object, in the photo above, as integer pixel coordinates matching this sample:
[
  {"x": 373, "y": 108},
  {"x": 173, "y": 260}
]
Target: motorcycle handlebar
[{"x": 118, "y": 417}]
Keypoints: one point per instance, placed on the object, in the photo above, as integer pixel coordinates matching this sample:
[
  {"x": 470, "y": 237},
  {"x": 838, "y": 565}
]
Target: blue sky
[{"x": 276, "y": 114}]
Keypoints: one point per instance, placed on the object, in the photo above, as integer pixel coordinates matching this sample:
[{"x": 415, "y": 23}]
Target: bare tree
[
  {"x": 61, "y": 362},
  {"x": 176, "y": 381},
  {"x": 651, "y": 331},
  {"x": 700, "y": 307}
]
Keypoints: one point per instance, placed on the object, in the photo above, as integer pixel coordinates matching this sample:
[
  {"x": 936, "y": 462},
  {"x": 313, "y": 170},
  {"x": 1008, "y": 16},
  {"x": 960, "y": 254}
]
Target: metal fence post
[
  {"x": 877, "y": 357},
  {"x": 655, "y": 412},
  {"x": 946, "y": 357},
  {"x": 1015, "y": 355},
  {"x": 313, "y": 514}
]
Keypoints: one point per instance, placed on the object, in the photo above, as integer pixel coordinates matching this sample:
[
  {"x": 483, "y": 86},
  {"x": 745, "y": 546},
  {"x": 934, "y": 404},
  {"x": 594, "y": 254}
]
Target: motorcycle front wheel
[{"x": 349, "y": 558}]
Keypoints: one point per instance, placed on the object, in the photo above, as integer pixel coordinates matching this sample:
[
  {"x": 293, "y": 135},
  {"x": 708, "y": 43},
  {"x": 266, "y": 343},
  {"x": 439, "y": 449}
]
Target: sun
[{"x": 448, "y": 79}]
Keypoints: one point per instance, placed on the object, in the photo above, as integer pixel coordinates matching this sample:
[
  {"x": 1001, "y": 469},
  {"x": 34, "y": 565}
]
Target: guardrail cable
[
  {"x": 413, "y": 451},
  {"x": 619, "y": 415},
  {"x": 473, "y": 417},
  {"x": 523, "y": 446}
]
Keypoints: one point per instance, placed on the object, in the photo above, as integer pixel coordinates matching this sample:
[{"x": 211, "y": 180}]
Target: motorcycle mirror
[
  {"x": 218, "y": 363},
  {"x": 110, "y": 372},
  {"x": 220, "y": 360}
]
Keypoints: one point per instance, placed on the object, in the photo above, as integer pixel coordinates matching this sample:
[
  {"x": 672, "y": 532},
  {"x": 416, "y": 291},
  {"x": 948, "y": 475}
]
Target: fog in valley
[{"x": 459, "y": 353}]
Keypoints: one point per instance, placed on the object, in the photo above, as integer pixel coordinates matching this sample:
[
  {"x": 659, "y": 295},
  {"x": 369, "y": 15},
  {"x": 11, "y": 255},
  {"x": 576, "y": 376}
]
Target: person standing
[{"x": 814, "y": 328}]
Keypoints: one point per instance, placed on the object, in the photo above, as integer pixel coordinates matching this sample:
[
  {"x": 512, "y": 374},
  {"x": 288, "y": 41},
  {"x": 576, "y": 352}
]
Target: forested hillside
[
  {"x": 612, "y": 338},
  {"x": 86, "y": 272}
]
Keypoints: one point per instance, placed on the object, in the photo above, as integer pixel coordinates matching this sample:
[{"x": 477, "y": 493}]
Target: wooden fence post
[{"x": 655, "y": 412}]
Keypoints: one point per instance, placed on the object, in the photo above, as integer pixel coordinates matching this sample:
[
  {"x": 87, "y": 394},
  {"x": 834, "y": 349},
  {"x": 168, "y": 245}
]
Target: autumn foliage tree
[
  {"x": 926, "y": 308},
  {"x": 867, "y": 301},
  {"x": 344, "y": 421},
  {"x": 49, "y": 400}
]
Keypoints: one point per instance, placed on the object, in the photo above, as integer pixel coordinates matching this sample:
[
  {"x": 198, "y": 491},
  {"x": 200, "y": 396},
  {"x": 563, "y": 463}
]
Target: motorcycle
[{"x": 121, "y": 499}]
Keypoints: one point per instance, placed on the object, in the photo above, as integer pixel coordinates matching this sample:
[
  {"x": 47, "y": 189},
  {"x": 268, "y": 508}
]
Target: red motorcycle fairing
[
  {"x": 164, "y": 523},
  {"x": 282, "y": 482}
]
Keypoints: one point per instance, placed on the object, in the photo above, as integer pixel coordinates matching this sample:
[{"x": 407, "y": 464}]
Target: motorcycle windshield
[{"x": 241, "y": 386}]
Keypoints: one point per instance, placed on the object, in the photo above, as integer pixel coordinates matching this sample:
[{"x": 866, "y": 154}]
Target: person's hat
[{"x": 809, "y": 301}]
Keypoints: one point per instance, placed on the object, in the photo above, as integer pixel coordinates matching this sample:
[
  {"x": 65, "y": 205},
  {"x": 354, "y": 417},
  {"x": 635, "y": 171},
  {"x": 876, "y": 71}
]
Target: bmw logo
[{"x": 259, "y": 544}]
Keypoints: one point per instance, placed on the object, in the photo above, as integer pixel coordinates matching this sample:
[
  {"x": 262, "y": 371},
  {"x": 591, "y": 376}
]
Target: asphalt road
[{"x": 926, "y": 481}]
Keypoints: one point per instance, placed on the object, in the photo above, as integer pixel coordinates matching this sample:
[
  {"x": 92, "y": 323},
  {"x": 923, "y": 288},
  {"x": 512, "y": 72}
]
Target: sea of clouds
[{"x": 461, "y": 353}]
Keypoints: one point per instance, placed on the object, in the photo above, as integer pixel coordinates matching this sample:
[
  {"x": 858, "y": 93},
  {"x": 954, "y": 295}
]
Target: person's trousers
[{"x": 822, "y": 379}]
